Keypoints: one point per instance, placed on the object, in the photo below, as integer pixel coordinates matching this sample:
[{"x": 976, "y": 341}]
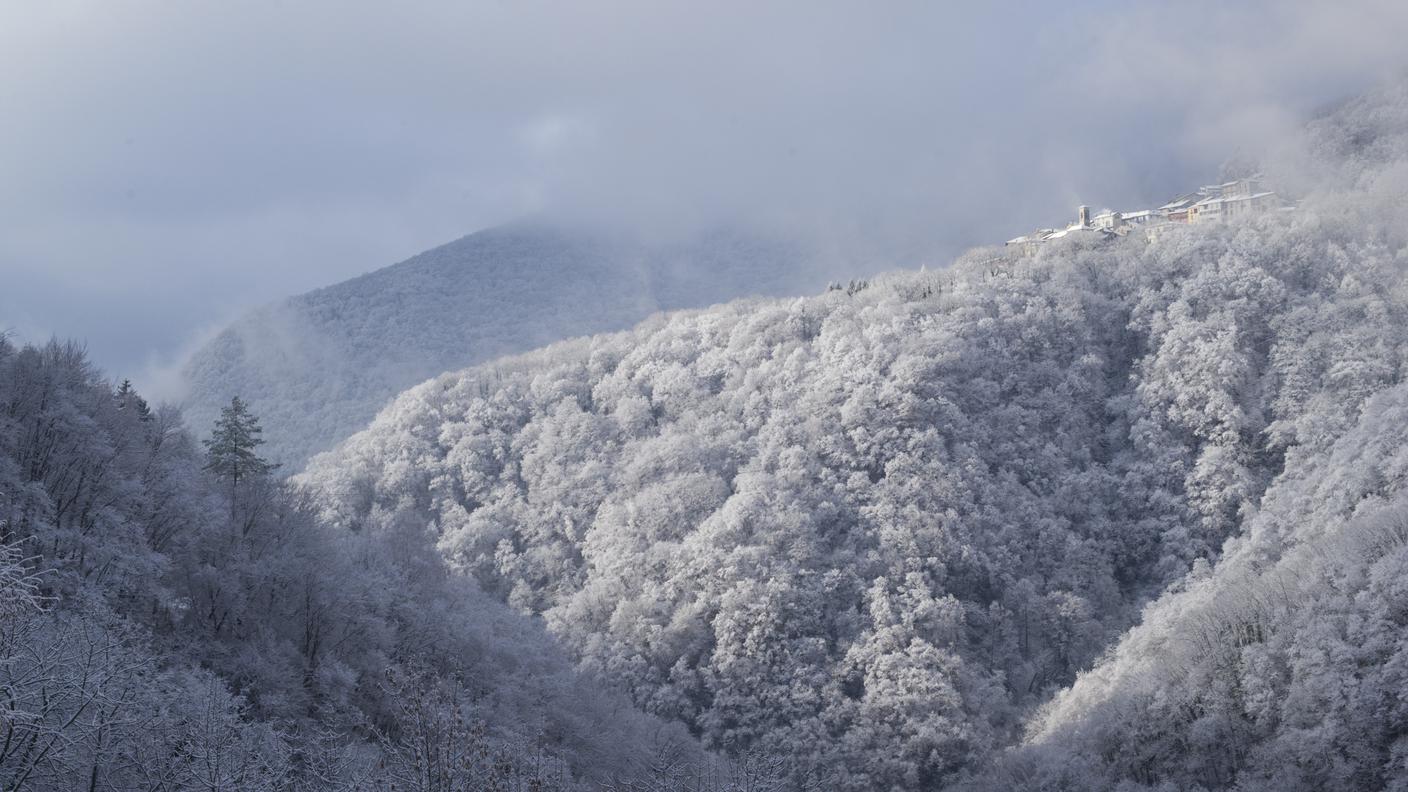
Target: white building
[
  {"x": 1211, "y": 203},
  {"x": 1231, "y": 207},
  {"x": 1081, "y": 227}
]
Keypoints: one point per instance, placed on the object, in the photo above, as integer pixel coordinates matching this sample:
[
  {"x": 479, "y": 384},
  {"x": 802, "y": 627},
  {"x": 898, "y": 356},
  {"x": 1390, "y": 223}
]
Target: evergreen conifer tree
[
  {"x": 230, "y": 448},
  {"x": 127, "y": 396}
]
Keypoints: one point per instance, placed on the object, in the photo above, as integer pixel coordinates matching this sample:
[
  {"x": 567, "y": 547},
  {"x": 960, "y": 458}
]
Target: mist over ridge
[{"x": 318, "y": 366}]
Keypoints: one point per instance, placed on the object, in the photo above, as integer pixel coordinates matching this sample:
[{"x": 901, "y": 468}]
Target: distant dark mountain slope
[{"x": 318, "y": 366}]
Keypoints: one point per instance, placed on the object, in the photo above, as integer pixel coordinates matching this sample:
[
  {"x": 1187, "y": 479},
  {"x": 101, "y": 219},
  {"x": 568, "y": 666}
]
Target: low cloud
[{"x": 169, "y": 165}]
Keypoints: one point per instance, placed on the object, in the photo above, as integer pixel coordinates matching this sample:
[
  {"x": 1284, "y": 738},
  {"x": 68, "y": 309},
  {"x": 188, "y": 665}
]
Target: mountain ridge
[{"x": 317, "y": 366}]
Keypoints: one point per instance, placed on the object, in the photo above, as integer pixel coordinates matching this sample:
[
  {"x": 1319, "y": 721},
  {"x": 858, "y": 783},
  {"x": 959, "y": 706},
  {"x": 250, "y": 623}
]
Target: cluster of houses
[{"x": 1215, "y": 203}]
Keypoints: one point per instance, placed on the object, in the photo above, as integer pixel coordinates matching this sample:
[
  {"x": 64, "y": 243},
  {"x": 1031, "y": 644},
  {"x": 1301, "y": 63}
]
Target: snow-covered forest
[
  {"x": 890, "y": 532},
  {"x": 175, "y": 618},
  {"x": 1126, "y": 515}
]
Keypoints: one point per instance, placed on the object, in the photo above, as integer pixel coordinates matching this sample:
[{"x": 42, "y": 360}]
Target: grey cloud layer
[{"x": 166, "y": 165}]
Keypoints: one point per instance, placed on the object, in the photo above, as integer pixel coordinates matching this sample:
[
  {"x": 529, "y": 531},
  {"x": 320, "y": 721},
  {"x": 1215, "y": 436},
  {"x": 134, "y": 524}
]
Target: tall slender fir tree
[{"x": 230, "y": 448}]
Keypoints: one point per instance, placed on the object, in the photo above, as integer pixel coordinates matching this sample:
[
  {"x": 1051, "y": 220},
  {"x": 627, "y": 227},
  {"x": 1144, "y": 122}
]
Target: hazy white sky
[{"x": 165, "y": 165}]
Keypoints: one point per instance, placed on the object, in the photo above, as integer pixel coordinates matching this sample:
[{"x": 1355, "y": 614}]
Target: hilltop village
[{"x": 1214, "y": 203}]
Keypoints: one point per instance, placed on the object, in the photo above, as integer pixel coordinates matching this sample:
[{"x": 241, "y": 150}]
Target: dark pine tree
[
  {"x": 230, "y": 448},
  {"x": 127, "y": 397}
]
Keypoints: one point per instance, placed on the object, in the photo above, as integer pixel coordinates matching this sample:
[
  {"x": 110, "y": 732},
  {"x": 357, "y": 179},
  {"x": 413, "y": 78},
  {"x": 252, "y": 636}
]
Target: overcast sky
[{"x": 166, "y": 165}]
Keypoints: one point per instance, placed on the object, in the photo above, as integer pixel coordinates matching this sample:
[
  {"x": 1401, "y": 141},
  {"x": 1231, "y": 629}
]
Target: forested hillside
[
  {"x": 173, "y": 618},
  {"x": 1282, "y": 666},
  {"x": 319, "y": 366},
  {"x": 875, "y": 530}
]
